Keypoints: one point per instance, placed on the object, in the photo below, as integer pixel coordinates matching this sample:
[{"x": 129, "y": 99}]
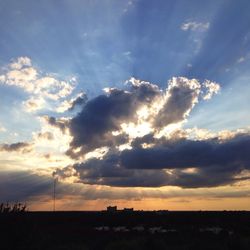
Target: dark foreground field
[{"x": 121, "y": 230}]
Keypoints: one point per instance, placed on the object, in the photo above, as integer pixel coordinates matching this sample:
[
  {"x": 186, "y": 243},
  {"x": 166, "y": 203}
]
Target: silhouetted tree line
[{"x": 12, "y": 208}]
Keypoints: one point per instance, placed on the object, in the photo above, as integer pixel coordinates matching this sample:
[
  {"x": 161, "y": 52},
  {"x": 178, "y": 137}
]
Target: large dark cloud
[
  {"x": 152, "y": 160},
  {"x": 183, "y": 94},
  {"x": 109, "y": 172},
  {"x": 187, "y": 153},
  {"x": 27, "y": 186},
  {"x": 216, "y": 162},
  {"x": 23, "y": 185},
  {"x": 92, "y": 127},
  {"x": 213, "y": 163}
]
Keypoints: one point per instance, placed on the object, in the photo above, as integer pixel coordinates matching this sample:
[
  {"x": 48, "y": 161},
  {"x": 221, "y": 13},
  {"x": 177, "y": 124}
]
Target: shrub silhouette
[{"x": 12, "y": 208}]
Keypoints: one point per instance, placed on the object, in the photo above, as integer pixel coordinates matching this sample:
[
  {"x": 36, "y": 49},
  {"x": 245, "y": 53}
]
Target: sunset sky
[{"x": 138, "y": 103}]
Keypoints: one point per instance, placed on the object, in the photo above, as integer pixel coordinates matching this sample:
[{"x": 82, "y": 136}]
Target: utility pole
[{"x": 54, "y": 196}]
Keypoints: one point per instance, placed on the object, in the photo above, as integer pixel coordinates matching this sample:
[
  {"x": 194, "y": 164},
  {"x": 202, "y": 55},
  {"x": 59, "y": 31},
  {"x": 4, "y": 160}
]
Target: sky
[{"x": 136, "y": 103}]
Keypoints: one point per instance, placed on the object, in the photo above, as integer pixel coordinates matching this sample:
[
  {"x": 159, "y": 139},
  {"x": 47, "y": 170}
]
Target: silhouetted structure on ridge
[
  {"x": 112, "y": 209},
  {"x": 131, "y": 209}
]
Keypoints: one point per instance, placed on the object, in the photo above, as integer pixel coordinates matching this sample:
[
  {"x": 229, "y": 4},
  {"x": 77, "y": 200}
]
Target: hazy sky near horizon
[{"x": 137, "y": 103}]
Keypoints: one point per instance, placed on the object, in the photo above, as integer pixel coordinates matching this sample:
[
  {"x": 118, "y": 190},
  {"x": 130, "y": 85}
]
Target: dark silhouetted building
[
  {"x": 112, "y": 209},
  {"x": 128, "y": 209}
]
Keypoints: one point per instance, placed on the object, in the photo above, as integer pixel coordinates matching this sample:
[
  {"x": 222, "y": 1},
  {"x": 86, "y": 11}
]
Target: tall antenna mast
[{"x": 54, "y": 196}]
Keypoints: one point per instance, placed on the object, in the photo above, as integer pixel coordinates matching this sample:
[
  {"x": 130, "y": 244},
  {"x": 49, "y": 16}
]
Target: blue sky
[
  {"x": 85, "y": 46},
  {"x": 104, "y": 43}
]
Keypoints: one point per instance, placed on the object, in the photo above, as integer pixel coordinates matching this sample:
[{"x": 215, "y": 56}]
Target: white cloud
[
  {"x": 64, "y": 106},
  {"x": 68, "y": 105},
  {"x": 211, "y": 89},
  {"x": 205, "y": 134},
  {"x": 34, "y": 104},
  {"x": 20, "y": 63},
  {"x": 52, "y": 88},
  {"x": 41, "y": 87},
  {"x": 2, "y": 78},
  {"x": 199, "y": 134},
  {"x": 23, "y": 78},
  {"x": 128, "y": 6},
  {"x": 2, "y": 128},
  {"x": 196, "y": 34},
  {"x": 241, "y": 59},
  {"x": 195, "y": 26}
]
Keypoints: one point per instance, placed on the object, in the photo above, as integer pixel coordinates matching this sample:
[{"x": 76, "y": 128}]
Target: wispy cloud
[
  {"x": 41, "y": 87},
  {"x": 243, "y": 58},
  {"x": 70, "y": 105},
  {"x": 195, "y": 26},
  {"x": 22, "y": 147},
  {"x": 2, "y": 128}
]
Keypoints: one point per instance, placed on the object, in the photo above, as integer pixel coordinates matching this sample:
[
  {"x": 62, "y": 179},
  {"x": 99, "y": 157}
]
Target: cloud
[
  {"x": 195, "y": 26},
  {"x": 22, "y": 78},
  {"x": 70, "y": 105},
  {"x": 183, "y": 163},
  {"x": 51, "y": 140},
  {"x": 107, "y": 171},
  {"x": 166, "y": 155},
  {"x": 20, "y": 62},
  {"x": 2, "y": 128},
  {"x": 241, "y": 59},
  {"x": 46, "y": 135},
  {"x": 22, "y": 147},
  {"x": 61, "y": 123},
  {"x": 109, "y": 151},
  {"x": 23, "y": 185},
  {"x": 37, "y": 190},
  {"x": 115, "y": 118},
  {"x": 185, "y": 153},
  {"x": 93, "y": 127},
  {"x": 52, "y": 88},
  {"x": 182, "y": 96},
  {"x": 196, "y": 33},
  {"x": 34, "y": 104},
  {"x": 211, "y": 89},
  {"x": 78, "y": 101},
  {"x": 41, "y": 87}
]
